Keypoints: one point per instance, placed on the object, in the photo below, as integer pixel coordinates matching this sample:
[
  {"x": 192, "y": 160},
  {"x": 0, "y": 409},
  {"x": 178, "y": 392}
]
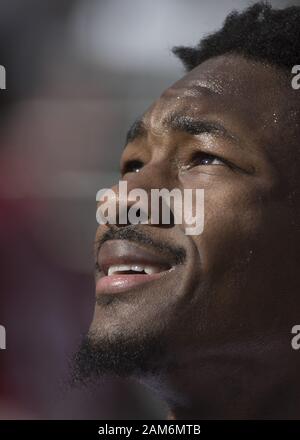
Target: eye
[
  {"x": 132, "y": 166},
  {"x": 205, "y": 159}
]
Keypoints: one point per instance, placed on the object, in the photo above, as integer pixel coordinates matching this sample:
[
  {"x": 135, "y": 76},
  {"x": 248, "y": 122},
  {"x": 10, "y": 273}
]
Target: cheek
[{"x": 234, "y": 218}]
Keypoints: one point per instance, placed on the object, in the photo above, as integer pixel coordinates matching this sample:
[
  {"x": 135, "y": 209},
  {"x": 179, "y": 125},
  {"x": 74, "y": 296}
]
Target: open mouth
[
  {"x": 125, "y": 265},
  {"x": 132, "y": 269}
]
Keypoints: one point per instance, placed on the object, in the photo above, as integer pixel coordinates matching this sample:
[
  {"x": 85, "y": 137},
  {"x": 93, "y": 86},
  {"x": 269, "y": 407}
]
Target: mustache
[{"x": 130, "y": 233}]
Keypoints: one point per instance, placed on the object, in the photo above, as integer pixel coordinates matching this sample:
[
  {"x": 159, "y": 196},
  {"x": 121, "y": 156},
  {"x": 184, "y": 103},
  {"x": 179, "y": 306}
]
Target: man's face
[{"x": 228, "y": 127}]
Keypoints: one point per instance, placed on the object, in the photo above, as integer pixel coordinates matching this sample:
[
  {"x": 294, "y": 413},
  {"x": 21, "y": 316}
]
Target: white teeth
[
  {"x": 114, "y": 269},
  {"x": 149, "y": 270},
  {"x": 135, "y": 268}
]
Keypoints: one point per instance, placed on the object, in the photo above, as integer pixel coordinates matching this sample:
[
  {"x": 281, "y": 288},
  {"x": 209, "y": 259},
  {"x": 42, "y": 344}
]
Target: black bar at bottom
[{"x": 94, "y": 429}]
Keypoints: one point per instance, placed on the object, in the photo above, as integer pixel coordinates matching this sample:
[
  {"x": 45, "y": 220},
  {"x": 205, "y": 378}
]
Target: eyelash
[
  {"x": 134, "y": 166},
  {"x": 200, "y": 156}
]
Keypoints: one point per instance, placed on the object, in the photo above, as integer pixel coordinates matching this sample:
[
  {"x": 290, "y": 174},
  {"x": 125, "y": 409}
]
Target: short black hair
[{"x": 259, "y": 32}]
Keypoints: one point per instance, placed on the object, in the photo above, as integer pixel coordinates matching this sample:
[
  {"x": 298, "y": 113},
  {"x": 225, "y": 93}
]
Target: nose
[
  {"x": 132, "y": 204},
  {"x": 130, "y": 201}
]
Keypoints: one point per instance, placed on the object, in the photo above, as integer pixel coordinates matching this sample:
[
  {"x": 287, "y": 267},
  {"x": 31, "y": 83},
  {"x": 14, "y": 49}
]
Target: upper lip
[{"x": 124, "y": 252}]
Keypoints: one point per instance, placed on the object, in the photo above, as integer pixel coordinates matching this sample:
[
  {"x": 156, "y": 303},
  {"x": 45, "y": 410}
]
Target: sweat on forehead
[
  {"x": 223, "y": 82},
  {"x": 231, "y": 73}
]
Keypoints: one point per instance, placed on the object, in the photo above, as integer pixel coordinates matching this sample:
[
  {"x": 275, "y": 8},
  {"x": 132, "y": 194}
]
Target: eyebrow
[
  {"x": 138, "y": 129},
  {"x": 196, "y": 126},
  {"x": 181, "y": 122}
]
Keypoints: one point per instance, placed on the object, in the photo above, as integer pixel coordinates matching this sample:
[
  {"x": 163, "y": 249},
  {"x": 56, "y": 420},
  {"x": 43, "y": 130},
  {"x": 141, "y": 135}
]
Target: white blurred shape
[{"x": 137, "y": 35}]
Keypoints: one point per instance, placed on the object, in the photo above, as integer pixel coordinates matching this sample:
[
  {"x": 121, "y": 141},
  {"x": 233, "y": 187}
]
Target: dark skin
[{"x": 228, "y": 310}]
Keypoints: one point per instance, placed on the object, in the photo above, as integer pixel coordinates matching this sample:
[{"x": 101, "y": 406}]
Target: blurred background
[{"x": 78, "y": 74}]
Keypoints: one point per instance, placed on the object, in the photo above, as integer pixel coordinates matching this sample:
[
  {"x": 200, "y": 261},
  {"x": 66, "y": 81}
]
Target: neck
[{"x": 234, "y": 384}]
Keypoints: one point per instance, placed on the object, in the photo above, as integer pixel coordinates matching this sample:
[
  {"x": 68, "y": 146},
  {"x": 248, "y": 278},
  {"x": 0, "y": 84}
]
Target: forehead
[
  {"x": 254, "y": 95},
  {"x": 232, "y": 74}
]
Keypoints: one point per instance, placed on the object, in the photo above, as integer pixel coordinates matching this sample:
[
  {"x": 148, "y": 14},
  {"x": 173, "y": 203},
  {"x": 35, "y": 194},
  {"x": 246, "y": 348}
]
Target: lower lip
[{"x": 122, "y": 283}]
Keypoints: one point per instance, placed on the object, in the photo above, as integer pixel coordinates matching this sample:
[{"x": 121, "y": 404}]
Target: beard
[{"x": 119, "y": 356}]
